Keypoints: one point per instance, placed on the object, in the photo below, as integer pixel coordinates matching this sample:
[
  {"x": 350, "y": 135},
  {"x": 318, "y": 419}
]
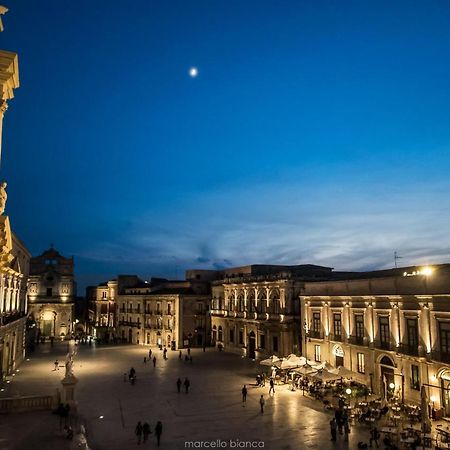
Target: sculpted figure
[{"x": 3, "y": 197}]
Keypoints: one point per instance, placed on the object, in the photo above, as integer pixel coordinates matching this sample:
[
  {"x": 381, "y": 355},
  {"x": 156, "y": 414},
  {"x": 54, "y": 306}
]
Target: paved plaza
[{"x": 211, "y": 412}]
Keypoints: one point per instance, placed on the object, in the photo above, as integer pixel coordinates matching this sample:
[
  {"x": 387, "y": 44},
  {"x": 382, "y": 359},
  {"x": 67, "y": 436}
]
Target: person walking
[
  {"x": 189, "y": 351},
  {"x": 165, "y": 353},
  {"x": 154, "y": 361},
  {"x": 374, "y": 436},
  {"x": 261, "y": 403},
  {"x": 149, "y": 353},
  {"x": 179, "y": 385},
  {"x": 244, "y": 394},
  {"x": 56, "y": 365},
  {"x": 146, "y": 431},
  {"x": 333, "y": 429},
  {"x": 138, "y": 431},
  {"x": 145, "y": 360},
  {"x": 187, "y": 383},
  {"x": 180, "y": 355},
  {"x": 272, "y": 386},
  {"x": 346, "y": 429},
  {"x": 158, "y": 432}
]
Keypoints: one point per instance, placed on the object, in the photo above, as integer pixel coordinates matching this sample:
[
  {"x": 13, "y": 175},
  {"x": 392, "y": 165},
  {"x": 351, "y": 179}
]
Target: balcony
[
  {"x": 11, "y": 317},
  {"x": 336, "y": 337},
  {"x": 315, "y": 334},
  {"x": 441, "y": 356},
  {"x": 406, "y": 349},
  {"x": 356, "y": 340},
  {"x": 384, "y": 345}
]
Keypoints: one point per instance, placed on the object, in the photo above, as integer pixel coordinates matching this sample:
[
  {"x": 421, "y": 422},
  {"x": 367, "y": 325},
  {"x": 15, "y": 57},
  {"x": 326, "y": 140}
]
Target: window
[
  {"x": 169, "y": 308},
  {"x": 49, "y": 292},
  {"x": 444, "y": 337},
  {"x": 415, "y": 379},
  {"x": 158, "y": 308},
  {"x": 232, "y": 336},
  {"x": 337, "y": 325},
  {"x": 262, "y": 341},
  {"x": 241, "y": 337},
  {"x": 317, "y": 353},
  {"x": 138, "y": 308},
  {"x": 316, "y": 325},
  {"x": 214, "y": 333},
  {"x": 220, "y": 333},
  {"x": 104, "y": 294},
  {"x": 275, "y": 343},
  {"x": 413, "y": 335},
  {"x": 361, "y": 365},
  {"x": 359, "y": 326},
  {"x": 384, "y": 332},
  {"x": 276, "y": 306}
]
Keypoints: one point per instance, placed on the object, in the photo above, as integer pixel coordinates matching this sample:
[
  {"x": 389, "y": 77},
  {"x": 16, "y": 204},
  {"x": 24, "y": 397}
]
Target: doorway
[{"x": 251, "y": 345}]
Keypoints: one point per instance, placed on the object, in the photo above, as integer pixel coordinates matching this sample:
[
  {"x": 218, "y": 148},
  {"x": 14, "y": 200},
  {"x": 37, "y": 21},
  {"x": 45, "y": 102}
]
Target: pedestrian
[
  {"x": 272, "y": 386},
  {"x": 138, "y": 431},
  {"x": 180, "y": 355},
  {"x": 149, "y": 353},
  {"x": 179, "y": 385},
  {"x": 261, "y": 403},
  {"x": 165, "y": 353},
  {"x": 146, "y": 431},
  {"x": 204, "y": 348},
  {"x": 145, "y": 360},
  {"x": 154, "y": 361},
  {"x": 56, "y": 365},
  {"x": 158, "y": 431},
  {"x": 132, "y": 374},
  {"x": 187, "y": 383},
  {"x": 244, "y": 394},
  {"x": 189, "y": 350},
  {"x": 346, "y": 429},
  {"x": 333, "y": 428},
  {"x": 338, "y": 414},
  {"x": 374, "y": 436}
]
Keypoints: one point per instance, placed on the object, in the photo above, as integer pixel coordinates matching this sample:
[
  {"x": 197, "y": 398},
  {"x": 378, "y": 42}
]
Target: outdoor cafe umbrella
[
  {"x": 298, "y": 360},
  {"x": 270, "y": 361},
  {"x": 286, "y": 364},
  {"x": 345, "y": 373},
  {"x": 325, "y": 375},
  {"x": 305, "y": 370}
]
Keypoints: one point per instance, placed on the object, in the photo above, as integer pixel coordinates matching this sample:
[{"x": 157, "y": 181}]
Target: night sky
[{"x": 315, "y": 132}]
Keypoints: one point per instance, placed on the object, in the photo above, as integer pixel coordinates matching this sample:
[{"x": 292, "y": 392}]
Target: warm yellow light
[
  {"x": 427, "y": 271},
  {"x": 392, "y": 385},
  {"x": 348, "y": 391},
  {"x": 433, "y": 398}
]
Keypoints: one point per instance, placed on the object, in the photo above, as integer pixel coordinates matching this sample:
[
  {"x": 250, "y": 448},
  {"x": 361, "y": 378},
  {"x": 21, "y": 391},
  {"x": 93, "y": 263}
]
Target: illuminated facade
[
  {"x": 255, "y": 309},
  {"x": 51, "y": 294},
  {"x": 174, "y": 314},
  {"x": 391, "y": 327},
  {"x": 14, "y": 257}
]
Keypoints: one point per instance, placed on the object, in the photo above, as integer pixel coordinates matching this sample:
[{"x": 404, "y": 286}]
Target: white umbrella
[
  {"x": 324, "y": 375},
  {"x": 298, "y": 360},
  {"x": 270, "y": 361},
  {"x": 305, "y": 370},
  {"x": 286, "y": 364},
  {"x": 344, "y": 373},
  {"x": 324, "y": 365}
]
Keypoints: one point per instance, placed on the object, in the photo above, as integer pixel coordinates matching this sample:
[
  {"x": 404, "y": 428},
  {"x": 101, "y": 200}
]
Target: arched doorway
[
  {"x": 251, "y": 345},
  {"x": 387, "y": 377},
  {"x": 444, "y": 377}
]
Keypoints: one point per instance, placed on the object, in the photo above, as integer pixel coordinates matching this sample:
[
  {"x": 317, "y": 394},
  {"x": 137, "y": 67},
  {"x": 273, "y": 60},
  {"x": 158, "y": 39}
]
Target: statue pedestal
[{"x": 68, "y": 391}]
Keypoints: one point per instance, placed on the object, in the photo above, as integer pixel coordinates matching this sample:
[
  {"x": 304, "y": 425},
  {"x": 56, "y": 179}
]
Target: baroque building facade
[
  {"x": 391, "y": 327},
  {"x": 255, "y": 310},
  {"x": 51, "y": 295},
  {"x": 14, "y": 257},
  {"x": 160, "y": 312}
]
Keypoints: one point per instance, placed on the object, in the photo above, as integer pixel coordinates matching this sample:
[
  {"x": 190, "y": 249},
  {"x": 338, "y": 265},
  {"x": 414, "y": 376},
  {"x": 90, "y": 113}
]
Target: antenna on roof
[{"x": 396, "y": 258}]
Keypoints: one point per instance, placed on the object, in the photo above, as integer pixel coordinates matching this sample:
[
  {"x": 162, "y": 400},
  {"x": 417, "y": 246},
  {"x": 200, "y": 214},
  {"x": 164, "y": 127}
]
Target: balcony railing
[
  {"x": 441, "y": 356},
  {"x": 336, "y": 337},
  {"x": 6, "y": 318},
  {"x": 406, "y": 349},
  {"x": 356, "y": 340},
  {"x": 384, "y": 345},
  {"x": 315, "y": 334}
]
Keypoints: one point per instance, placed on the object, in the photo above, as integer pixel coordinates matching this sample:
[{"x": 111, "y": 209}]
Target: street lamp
[{"x": 305, "y": 327}]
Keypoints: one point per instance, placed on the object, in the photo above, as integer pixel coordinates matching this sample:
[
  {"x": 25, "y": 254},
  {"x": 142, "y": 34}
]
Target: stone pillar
[{"x": 68, "y": 391}]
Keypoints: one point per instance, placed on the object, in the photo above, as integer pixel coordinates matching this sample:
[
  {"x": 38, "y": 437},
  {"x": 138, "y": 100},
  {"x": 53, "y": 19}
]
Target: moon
[{"x": 193, "y": 72}]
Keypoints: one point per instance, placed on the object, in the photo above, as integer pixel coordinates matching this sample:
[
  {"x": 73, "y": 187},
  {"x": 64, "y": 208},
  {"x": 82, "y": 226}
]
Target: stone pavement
[{"x": 211, "y": 413}]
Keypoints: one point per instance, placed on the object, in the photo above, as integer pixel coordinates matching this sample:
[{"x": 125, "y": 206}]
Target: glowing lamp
[
  {"x": 348, "y": 391},
  {"x": 392, "y": 385}
]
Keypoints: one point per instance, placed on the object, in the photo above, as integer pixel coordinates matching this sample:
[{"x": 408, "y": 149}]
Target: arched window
[
  {"x": 386, "y": 361},
  {"x": 220, "y": 333},
  {"x": 214, "y": 333}
]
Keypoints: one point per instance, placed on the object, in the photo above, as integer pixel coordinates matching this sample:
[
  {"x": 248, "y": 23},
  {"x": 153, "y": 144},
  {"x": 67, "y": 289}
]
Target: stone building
[
  {"x": 51, "y": 294},
  {"x": 14, "y": 265},
  {"x": 390, "y": 327},
  {"x": 14, "y": 257},
  {"x": 255, "y": 309}
]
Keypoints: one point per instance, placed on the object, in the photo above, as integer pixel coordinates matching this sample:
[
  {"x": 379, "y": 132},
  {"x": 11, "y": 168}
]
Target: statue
[
  {"x": 3, "y": 197},
  {"x": 69, "y": 370},
  {"x": 3, "y": 10}
]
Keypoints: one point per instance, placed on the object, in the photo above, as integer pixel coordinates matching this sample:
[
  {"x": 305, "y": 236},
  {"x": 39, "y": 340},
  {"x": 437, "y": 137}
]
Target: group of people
[
  {"x": 339, "y": 423},
  {"x": 186, "y": 383},
  {"x": 142, "y": 432}
]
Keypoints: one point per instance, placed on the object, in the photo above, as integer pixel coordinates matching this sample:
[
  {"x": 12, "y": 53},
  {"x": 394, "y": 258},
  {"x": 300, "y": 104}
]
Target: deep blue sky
[{"x": 316, "y": 132}]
